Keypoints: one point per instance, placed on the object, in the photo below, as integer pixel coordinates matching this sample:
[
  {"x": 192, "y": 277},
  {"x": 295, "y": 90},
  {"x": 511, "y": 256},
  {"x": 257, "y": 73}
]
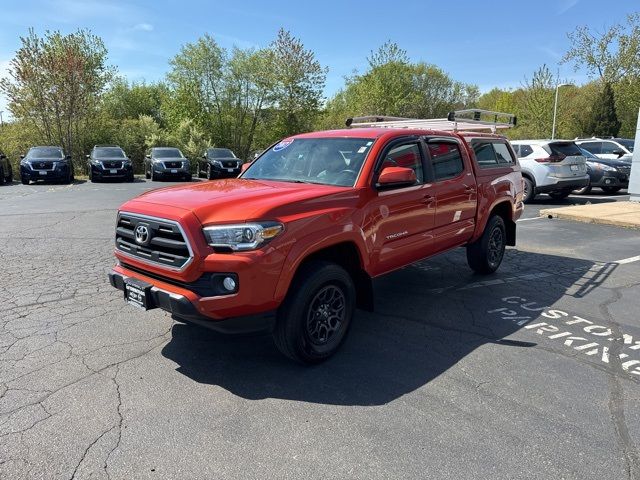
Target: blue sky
[{"x": 488, "y": 43}]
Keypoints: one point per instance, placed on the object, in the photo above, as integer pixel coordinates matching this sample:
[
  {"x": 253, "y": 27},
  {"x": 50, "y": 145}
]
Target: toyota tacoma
[{"x": 292, "y": 245}]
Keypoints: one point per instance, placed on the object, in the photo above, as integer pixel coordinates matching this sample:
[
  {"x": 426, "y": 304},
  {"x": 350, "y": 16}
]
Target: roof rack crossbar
[{"x": 459, "y": 120}]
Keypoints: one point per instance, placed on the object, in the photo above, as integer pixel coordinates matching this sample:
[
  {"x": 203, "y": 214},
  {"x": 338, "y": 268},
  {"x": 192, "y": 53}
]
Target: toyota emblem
[{"x": 142, "y": 235}]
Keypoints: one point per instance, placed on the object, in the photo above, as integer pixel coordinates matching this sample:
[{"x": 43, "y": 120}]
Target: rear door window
[
  {"x": 504, "y": 156},
  {"x": 485, "y": 154},
  {"x": 568, "y": 149},
  {"x": 491, "y": 154},
  {"x": 609, "y": 147}
]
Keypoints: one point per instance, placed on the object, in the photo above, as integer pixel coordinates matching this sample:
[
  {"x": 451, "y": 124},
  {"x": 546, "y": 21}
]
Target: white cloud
[{"x": 144, "y": 27}]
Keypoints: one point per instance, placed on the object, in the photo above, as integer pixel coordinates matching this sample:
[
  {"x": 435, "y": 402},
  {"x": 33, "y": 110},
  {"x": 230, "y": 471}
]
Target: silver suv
[{"x": 555, "y": 167}]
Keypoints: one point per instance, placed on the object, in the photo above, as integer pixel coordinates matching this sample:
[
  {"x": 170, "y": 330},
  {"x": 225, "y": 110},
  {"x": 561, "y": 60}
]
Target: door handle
[
  {"x": 427, "y": 199},
  {"x": 469, "y": 189}
]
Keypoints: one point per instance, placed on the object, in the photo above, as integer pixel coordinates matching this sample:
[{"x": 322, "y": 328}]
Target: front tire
[
  {"x": 147, "y": 175},
  {"x": 611, "y": 189},
  {"x": 209, "y": 172},
  {"x": 315, "y": 317},
  {"x": 485, "y": 254}
]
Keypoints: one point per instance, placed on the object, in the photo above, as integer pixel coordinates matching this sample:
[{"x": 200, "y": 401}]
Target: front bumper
[
  {"x": 183, "y": 308},
  {"x": 223, "y": 172},
  {"x": 568, "y": 184},
  {"x": 98, "y": 172},
  {"x": 60, "y": 172},
  {"x": 160, "y": 171},
  {"x": 609, "y": 179}
]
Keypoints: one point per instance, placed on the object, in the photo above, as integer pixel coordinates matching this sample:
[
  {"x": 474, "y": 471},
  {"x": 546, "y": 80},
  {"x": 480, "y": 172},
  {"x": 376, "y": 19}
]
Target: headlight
[
  {"x": 95, "y": 161},
  {"x": 603, "y": 167},
  {"x": 217, "y": 162},
  {"x": 243, "y": 236}
]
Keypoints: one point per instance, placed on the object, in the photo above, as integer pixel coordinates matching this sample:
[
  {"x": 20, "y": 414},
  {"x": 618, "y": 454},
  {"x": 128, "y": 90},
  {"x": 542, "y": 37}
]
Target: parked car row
[
  {"x": 49, "y": 163},
  {"x": 560, "y": 167}
]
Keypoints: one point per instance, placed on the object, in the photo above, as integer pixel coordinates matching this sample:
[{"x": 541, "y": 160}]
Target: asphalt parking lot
[{"x": 533, "y": 372}]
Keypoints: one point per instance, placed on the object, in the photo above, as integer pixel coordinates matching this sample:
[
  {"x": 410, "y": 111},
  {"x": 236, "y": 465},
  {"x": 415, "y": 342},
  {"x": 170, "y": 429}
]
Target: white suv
[
  {"x": 555, "y": 167},
  {"x": 608, "y": 148}
]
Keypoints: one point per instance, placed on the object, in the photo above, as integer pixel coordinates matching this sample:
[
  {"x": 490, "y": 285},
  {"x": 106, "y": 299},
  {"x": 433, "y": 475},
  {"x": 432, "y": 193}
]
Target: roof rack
[{"x": 470, "y": 119}]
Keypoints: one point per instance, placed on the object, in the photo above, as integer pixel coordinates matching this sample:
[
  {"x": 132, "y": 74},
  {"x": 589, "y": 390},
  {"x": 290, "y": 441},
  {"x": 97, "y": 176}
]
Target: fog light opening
[{"x": 229, "y": 284}]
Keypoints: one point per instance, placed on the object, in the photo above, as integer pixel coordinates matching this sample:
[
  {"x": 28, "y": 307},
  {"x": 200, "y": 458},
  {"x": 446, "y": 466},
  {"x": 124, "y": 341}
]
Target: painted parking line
[
  {"x": 607, "y": 197},
  {"x": 529, "y": 219},
  {"x": 628, "y": 260}
]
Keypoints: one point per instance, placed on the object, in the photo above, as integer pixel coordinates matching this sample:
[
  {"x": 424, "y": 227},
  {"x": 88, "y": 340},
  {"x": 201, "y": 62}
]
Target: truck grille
[
  {"x": 164, "y": 243},
  {"x": 173, "y": 164},
  {"x": 38, "y": 165},
  {"x": 108, "y": 164},
  {"x": 624, "y": 170}
]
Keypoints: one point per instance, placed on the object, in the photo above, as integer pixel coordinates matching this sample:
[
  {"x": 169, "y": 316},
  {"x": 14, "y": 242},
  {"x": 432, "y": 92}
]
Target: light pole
[
  {"x": 555, "y": 108},
  {"x": 1, "y": 122}
]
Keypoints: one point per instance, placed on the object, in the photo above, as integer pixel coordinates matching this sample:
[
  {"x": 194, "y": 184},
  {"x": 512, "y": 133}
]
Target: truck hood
[{"x": 239, "y": 200}]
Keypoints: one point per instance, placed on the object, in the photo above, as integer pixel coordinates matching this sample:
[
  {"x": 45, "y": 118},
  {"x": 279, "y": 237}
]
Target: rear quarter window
[
  {"x": 593, "y": 147},
  {"x": 523, "y": 150}
]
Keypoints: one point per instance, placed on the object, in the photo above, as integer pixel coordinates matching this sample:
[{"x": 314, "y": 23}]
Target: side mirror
[
  {"x": 87, "y": 157},
  {"x": 2, "y": 156},
  {"x": 204, "y": 156},
  {"x": 244, "y": 167},
  {"x": 21, "y": 157},
  {"x": 68, "y": 157},
  {"x": 618, "y": 152},
  {"x": 396, "y": 176},
  {"x": 147, "y": 156}
]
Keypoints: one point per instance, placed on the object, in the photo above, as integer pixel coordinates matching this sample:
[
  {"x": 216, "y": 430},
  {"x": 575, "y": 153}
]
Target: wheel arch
[{"x": 348, "y": 256}]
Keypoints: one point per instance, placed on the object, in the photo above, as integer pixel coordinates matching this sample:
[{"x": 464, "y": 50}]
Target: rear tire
[
  {"x": 10, "y": 177},
  {"x": 152, "y": 175},
  {"x": 147, "y": 175},
  {"x": 529, "y": 190},
  {"x": 611, "y": 189},
  {"x": 485, "y": 254},
  {"x": 583, "y": 191},
  {"x": 315, "y": 317},
  {"x": 24, "y": 181},
  {"x": 560, "y": 195}
]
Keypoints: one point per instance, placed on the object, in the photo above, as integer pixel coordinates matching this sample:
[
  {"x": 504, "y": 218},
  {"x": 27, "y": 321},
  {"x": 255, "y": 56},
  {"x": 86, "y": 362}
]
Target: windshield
[
  {"x": 220, "y": 153},
  {"x": 328, "y": 161},
  {"x": 45, "y": 152},
  {"x": 628, "y": 144},
  {"x": 108, "y": 152},
  {"x": 167, "y": 153}
]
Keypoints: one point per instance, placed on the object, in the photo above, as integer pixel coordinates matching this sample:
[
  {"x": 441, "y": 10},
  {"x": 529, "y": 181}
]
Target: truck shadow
[{"x": 428, "y": 317}]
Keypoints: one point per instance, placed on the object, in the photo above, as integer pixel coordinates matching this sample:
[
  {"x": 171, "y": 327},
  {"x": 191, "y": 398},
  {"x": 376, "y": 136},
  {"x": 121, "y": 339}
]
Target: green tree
[
  {"x": 197, "y": 77},
  {"x": 55, "y": 83},
  {"x": 123, "y": 100},
  {"x": 603, "y": 120},
  {"x": 536, "y": 115},
  {"x": 394, "y": 86},
  {"x": 299, "y": 82}
]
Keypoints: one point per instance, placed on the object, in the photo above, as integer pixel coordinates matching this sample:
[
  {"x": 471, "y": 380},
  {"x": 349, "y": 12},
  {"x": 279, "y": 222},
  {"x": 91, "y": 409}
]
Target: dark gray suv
[{"x": 167, "y": 163}]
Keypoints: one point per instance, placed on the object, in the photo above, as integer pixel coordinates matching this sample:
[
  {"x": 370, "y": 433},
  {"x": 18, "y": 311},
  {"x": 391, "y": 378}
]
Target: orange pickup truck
[{"x": 291, "y": 246}]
